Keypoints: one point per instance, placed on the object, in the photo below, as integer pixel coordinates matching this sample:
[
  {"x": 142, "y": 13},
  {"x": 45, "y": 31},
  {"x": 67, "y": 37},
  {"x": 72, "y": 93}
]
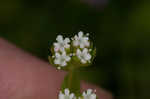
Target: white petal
[
  {"x": 61, "y": 96},
  {"x": 67, "y": 91},
  {"x": 55, "y": 44},
  {"x": 78, "y": 52},
  {"x": 86, "y": 38},
  {"x": 67, "y": 58},
  {"x": 93, "y": 96},
  {"x": 67, "y": 40},
  {"x": 63, "y": 53},
  {"x": 59, "y": 38},
  {"x": 56, "y": 61},
  {"x": 89, "y": 91},
  {"x": 57, "y": 55},
  {"x": 83, "y": 61},
  {"x": 63, "y": 63},
  {"x": 82, "y": 45},
  {"x": 75, "y": 43},
  {"x": 87, "y": 57},
  {"x": 67, "y": 46},
  {"x": 85, "y": 50},
  {"x": 71, "y": 96},
  {"x": 76, "y": 37},
  {"x": 83, "y": 94},
  {"x": 80, "y": 34}
]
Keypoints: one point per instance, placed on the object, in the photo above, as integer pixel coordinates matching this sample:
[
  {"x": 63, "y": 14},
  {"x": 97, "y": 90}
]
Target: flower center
[
  {"x": 62, "y": 59},
  {"x": 82, "y": 56},
  {"x": 81, "y": 40},
  {"x": 62, "y": 44}
]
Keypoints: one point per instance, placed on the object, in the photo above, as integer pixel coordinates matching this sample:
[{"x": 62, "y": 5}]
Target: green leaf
[{"x": 72, "y": 82}]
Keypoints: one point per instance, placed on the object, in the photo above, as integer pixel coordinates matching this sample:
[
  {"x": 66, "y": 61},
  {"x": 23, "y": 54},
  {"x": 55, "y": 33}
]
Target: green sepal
[
  {"x": 93, "y": 53},
  {"x": 72, "y": 82},
  {"x": 81, "y": 97}
]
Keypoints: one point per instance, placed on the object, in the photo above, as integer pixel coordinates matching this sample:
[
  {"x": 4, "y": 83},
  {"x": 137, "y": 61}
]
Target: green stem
[
  {"x": 72, "y": 81},
  {"x": 70, "y": 77}
]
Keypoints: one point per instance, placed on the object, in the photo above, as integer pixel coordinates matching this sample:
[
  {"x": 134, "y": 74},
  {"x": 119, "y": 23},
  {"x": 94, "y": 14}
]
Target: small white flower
[
  {"x": 66, "y": 95},
  {"x": 88, "y": 94},
  {"x": 81, "y": 40},
  {"x": 87, "y": 34},
  {"x": 84, "y": 56},
  {"x": 58, "y": 68},
  {"x": 90, "y": 50},
  {"x": 61, "y": 59},
  {"x": 61, "y": 43}
]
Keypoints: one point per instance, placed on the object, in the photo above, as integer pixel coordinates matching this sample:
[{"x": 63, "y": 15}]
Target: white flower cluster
[
  {"x": 84, "y": 55},
  {"x": 66, "y": 95},
  {"x": 80, "y": 42},
  {"x": 61, "y": 44},
  {"x": 89, "y": 94},
  {"x": 61, "y": 59}
]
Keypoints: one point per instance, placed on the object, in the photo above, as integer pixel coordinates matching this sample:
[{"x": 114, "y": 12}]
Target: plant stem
[{"x": 70, "y": 77}]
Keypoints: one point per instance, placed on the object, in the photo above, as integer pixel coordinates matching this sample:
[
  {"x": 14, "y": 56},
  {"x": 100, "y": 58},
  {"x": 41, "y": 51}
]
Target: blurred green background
[{"x": 120, "y": 30}]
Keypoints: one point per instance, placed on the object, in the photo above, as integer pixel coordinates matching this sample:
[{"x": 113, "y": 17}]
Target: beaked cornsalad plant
[{"x": 69, "y": 55}]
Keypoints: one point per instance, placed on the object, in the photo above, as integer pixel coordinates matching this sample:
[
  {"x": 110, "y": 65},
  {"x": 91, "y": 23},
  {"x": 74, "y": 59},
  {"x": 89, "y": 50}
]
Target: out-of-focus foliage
[{"x": 120, "y": 30}]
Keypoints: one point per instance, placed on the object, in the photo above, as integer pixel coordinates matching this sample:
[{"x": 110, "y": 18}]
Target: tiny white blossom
[
  {"x": 84, "y": 56},
  {"x": 66, "y": 95},
  {"x": 61, "y": 43},
  {"x": 88, "y": 94},
  {"x": 87, "y": 34},
  {"x": 59, "y": 68},
  {"x": 90, "y": 50},
  {"x": 81, "y": 40},
  {"x": 61, "y": 59}
]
